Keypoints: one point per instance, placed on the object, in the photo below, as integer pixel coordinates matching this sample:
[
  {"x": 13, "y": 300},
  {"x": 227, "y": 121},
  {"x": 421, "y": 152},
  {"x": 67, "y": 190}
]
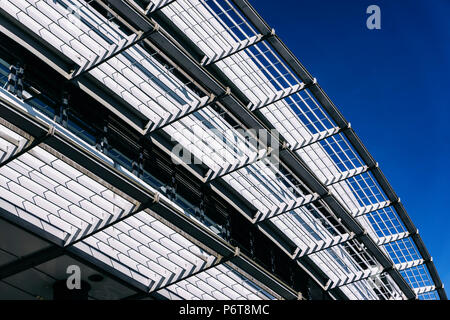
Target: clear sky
[{"x": 392, "y": 85}]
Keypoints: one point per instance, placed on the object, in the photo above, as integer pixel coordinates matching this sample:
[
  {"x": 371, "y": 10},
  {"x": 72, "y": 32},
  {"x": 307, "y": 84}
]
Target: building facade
[{"x": 177, "y": 149}]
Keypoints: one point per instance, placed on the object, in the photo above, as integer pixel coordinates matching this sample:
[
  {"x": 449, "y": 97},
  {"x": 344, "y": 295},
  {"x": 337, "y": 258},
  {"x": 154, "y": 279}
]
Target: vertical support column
[
  {"x": 272, "y": 261},
  {"x": 12, "y": 79},
  {"x": 19, "y": 87},
  {"x": 226, "y": 230},
  {"x": 171, "y": 188},
  {"x": 291, "y": 277},
  {"x": 15, "y": 80},
  {"x": 252, "y": 245},
  {"x": 138, "y": 165},
  {"x": 64, "y": 110},
  {"x": 200, "y": 210},
  {"x": 102, "y": 140}
]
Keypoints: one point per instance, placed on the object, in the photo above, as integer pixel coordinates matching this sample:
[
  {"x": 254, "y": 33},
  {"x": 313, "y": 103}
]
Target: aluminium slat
[
  {"x": 316, "y": 137},
  {"x": 409, "y": 264},
  {"x": 285, "y": 208},
  {"x": 279, "y": 95},
  {"x": 170, "y": 119},
  {"x": 347, "y": 175},
  {"x": 214, "y": 264},
  {"x": 132, "y": 36},
  {"x": 426, "y": 289},
  {"x": 237, "y": 165},
  {"x": 356, "y": 277},
  {"x": 113, "y": 51},
  {"x": 155, "y": 5},
  {"x": 337, "y": 240},
  {"x": 27, "y": 147},
  {"x": 242, "y": 45},
  {"x": 11, "y": 142},
  {"x": 391, "y": 238},
  {"x": 263, "y": 27},
  {"x": 186, "y": 110},
  {"x": 384, "y": 291},
  {"x": 370, "y": 208}
]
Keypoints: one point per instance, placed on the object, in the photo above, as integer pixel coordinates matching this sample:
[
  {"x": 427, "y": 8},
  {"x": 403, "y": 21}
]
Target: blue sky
[{"x": 392, "y": 85}]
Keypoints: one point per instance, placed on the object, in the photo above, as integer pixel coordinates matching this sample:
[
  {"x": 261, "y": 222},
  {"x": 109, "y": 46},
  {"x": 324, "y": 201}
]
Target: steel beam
[
  {"x": 30, "y": 261},
  {"x": 437, "y": 281},
  {"x": 314, "y": 272},
  {"x": 279, "y": 239}
]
